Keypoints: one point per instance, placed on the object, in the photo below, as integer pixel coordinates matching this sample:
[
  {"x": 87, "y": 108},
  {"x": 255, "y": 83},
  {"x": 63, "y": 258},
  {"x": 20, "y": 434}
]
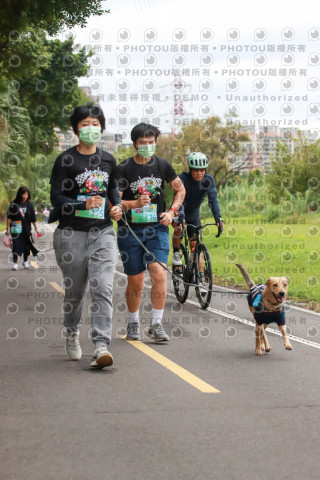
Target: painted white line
[
  {"x": 303, "y": 341},
  {"x": 289, "y": 303},
  {"x": 252, "y": 324}
]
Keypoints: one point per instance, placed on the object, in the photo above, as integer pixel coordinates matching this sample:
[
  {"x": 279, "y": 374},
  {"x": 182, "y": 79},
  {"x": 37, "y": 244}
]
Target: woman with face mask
[{"x": 83, "y": 185}]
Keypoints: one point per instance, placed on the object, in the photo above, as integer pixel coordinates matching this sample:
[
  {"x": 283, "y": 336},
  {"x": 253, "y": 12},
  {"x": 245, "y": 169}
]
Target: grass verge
[{"x": 286, "y": 246}]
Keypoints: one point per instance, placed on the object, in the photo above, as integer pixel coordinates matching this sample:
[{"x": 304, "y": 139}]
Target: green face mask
[
  {"x": 90, "y": 135},
  {"x": 146, "y": 151}
]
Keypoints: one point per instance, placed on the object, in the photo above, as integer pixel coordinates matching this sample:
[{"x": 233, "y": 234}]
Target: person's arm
[
  {"x": 9, "y": 219},
  {"x": 179, "y": 194},
  {"x": 113, "y": 189},
  {"x": 58, "y": 199},
  {"x": 59, "y": 194},
  {"x": 115, "y": 211},
  {"x": 36, "y": 227},
  {"x": 138, "y": 203},
  {"x": 33, "y": 218},
  {"x": 213, "y": 200},
  {"x": 8, "y": 226}
]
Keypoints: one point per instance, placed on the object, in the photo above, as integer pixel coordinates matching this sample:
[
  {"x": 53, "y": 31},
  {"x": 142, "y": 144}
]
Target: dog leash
[{"x": 174, "y": 276}]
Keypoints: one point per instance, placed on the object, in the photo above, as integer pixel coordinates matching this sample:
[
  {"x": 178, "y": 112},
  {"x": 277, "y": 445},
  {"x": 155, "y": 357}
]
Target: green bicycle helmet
[{"x": 197, "y": 160}]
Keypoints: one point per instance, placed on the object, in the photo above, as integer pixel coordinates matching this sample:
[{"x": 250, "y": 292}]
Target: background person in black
[
  {"x": 20, "y": 215},
  {"x": 141, "y": 183},
  {"x": 83, "y": 181}
]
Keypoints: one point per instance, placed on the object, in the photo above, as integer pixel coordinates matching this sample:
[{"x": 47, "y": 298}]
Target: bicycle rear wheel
[
  {"x": 181, "y": 273},
  {"x": 204, "y": 278}
]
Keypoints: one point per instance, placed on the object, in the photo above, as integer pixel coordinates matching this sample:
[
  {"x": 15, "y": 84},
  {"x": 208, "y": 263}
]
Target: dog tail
[{"x": 245, "y": 275}]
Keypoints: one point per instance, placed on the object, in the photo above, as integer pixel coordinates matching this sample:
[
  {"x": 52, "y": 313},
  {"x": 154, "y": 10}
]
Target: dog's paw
[
  {"x": 268, "y": 349},
  {"x": 259, "y": 352},
  {"x": 288, "y": 346}
]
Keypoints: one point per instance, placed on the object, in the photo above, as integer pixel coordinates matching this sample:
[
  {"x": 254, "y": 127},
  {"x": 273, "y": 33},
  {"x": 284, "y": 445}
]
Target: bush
[{"x": 272, "y": 213}]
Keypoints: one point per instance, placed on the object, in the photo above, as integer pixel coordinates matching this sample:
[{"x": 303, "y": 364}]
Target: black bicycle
[{"x": 196, "y": 268}]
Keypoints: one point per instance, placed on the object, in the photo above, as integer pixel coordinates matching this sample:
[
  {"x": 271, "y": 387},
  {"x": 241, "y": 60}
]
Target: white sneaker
[
  {"x": 15, "y": 266},
  {"x": 101, "y": 358},
  {"x": 26, "y": 265},
  {"x": 73, "y": 349},
  {"x": 176, "y": 260}
]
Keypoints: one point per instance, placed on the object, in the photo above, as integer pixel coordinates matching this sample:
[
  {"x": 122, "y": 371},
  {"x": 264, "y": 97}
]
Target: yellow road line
[
  {"x": 181, "y": 372},
  {"x": 34, "y": 264},
  {"x": 57, "y": 287}
]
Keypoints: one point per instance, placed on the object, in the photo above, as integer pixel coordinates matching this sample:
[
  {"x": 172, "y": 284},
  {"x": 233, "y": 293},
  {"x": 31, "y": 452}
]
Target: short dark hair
[
  {"x": 144, "y": 130},
  {"x": 20, "y": 192},
  {"x": 91, "y": 109}
]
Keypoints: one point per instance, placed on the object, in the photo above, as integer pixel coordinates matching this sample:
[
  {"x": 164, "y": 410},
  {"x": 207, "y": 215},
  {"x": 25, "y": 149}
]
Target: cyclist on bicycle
[{"x": 198, "y": 184}]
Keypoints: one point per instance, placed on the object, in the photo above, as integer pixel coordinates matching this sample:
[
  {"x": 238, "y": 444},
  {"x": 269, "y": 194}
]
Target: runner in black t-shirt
[
  {"x": 83, "y": 180},
  {"x": 141, "y": 183}
]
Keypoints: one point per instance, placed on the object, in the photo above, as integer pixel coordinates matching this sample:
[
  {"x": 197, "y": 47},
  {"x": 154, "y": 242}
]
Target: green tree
[
  {"x": 124, "y": 152},
  {"x": 219, "y": 142},
  {"x": 14, "y": 140},
  {"x": 295, "y": 173},
  {"x": 38, "y": 82},
  {"x": 254, "y": 175},
  {"x": 18, "y": 16},
  {"x": 52, "y": 92}
]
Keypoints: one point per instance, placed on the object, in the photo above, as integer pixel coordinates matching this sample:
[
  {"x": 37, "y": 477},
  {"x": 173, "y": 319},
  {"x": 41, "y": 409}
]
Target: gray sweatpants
[{"x": 87, "y": 257}]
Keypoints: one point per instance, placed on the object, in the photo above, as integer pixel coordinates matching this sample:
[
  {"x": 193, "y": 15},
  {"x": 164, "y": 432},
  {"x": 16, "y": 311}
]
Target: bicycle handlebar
[{"x": 201, "y": 227}]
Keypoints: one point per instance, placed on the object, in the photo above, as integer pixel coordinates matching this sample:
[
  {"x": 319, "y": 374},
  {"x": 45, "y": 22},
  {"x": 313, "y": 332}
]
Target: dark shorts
[
  {"x": 194, "y": 220},
  {"x": 268, "y": 317},
  {"x": 133, "y": 255}
]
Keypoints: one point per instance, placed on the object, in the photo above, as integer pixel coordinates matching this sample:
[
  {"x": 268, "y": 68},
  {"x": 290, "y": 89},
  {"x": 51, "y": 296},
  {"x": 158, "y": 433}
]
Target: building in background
[{"x": 257, "y": 152}]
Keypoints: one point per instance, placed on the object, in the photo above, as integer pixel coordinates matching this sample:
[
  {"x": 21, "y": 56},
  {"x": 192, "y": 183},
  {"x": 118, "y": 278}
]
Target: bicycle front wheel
[
  {"x": 204, "y": 277},
  {"x": 181, "y": 278}
]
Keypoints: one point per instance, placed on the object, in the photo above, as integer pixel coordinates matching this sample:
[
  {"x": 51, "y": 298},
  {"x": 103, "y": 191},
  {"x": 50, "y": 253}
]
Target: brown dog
[{"x": 266, "y": 304}]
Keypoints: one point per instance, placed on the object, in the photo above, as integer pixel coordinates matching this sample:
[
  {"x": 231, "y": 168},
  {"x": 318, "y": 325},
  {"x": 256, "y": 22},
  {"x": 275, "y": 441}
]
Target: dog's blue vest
[{"x": 261, "y": 313}]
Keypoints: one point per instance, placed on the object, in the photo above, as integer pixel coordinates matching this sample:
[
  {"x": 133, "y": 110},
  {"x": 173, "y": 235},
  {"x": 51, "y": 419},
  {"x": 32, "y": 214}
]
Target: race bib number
[
  {"x": 96, "y": 213},
  {"x": 145, "y": 214},
  {"x": 16, "y": 227}
]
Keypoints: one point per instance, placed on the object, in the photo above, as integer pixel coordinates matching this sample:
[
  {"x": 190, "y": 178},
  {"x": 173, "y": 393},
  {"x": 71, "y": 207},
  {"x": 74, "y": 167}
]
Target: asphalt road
[{"x": 141, "y": 419}]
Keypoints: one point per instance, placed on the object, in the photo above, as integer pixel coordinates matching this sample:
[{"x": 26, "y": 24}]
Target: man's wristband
[{"x": 176, "y": 212}]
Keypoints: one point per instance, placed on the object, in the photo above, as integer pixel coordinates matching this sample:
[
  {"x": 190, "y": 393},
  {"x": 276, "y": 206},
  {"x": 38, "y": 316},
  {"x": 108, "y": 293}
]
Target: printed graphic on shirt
[
  {"x": 16, "y": 226},
  {"x": 146, "y": 186},
  {"x": 92, "y": 181},
  {"x": 97, "y": 213},
  {"x": 145, "y": 214}
]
